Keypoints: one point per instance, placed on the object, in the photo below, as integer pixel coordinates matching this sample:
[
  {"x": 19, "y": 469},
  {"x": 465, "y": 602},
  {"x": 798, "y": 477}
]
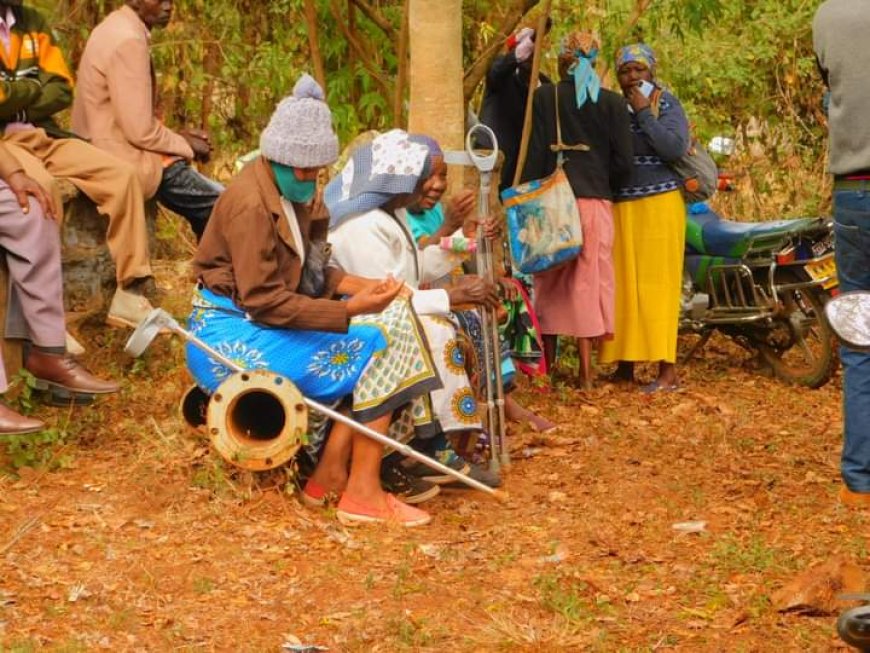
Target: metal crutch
[
  {"x": 485, "y": 164},
  {"x": 158, "y": 319}
]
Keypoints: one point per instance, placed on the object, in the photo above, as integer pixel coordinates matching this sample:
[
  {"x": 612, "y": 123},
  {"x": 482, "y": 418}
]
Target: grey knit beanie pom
[{"x": 300, "y": 133}]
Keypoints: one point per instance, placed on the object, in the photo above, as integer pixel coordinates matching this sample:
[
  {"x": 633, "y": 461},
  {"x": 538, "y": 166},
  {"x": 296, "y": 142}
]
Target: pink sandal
[
  {"x": 314, "y": 494},
  {"x": 352, "y": 512}
]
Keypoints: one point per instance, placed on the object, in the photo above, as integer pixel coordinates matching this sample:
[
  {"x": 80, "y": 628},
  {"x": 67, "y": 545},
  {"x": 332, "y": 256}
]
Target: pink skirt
[{"x": 577, "y": 299}]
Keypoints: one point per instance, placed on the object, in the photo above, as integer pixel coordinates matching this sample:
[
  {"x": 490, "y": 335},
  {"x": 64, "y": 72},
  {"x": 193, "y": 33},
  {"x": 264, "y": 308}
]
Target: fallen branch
[{"x": 22, "y": 530}]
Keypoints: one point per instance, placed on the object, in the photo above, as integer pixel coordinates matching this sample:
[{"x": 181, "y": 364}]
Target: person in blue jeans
[{"x": 840, "y": 29}]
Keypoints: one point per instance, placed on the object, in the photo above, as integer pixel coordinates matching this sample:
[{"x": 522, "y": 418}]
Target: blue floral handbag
[{"x": 542, "y": 217}]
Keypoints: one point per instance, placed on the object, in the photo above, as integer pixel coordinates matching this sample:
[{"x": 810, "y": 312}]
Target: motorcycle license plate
[{"x": 824, "y": 268}]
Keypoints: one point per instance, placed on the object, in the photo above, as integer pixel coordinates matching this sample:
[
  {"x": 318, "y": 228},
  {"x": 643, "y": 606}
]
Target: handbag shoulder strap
[
  {"x": 655, "y": 102},
  {"x": 559, "y": 146}
]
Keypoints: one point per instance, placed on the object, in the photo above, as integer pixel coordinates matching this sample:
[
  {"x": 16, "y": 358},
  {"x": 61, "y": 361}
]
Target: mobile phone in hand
[{"x": 646, "y": 88}]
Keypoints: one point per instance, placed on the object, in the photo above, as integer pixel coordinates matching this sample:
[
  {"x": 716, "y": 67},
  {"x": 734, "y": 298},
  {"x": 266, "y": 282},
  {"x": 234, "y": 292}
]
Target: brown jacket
[
  {"x": 114, "y": 104},
  {"x": 248, "y": 253}
]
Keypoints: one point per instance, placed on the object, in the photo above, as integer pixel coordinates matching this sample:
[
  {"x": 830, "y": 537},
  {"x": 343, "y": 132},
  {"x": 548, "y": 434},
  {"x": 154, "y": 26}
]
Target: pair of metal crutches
[
  {"x": 159, "y": 321},
  {"x": 485, "y": 161}
]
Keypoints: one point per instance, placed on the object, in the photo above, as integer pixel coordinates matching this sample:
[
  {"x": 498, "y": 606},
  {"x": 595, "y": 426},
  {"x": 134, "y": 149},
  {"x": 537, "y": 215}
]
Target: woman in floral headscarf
[
  {"x": 371, "y": 236},
  {"x": 577, "y": 299},
  {"x": 650, "y": 219}
]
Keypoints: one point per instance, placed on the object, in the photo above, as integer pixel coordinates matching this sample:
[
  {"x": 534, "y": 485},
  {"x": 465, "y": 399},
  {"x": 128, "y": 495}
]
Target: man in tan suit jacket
[{"x": 115, "y": 107}]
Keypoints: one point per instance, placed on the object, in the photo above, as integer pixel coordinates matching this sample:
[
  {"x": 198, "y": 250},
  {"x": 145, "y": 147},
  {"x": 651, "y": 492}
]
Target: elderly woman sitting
[
  {"x": 266, "y": 299},
  {"x": 371, "y": 236}
]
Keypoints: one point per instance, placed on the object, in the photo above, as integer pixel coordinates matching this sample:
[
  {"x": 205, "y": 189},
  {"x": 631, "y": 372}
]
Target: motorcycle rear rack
[{"x": 736, "y": 296}]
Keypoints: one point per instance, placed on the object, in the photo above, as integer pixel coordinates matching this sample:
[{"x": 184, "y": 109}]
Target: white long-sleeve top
[{"x": 376, "y": 244}]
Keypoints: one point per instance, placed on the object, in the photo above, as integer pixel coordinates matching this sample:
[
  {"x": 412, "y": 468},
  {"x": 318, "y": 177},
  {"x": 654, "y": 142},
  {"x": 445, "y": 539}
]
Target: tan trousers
[{"x": 109, "y": 182}]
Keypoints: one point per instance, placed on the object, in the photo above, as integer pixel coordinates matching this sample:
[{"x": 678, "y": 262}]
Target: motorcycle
[{"x": 764, "y": 284}]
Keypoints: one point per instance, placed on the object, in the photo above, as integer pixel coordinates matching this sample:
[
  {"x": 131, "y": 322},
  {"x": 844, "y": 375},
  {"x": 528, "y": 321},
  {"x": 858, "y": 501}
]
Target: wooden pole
[{"x": 533, "y": 82}]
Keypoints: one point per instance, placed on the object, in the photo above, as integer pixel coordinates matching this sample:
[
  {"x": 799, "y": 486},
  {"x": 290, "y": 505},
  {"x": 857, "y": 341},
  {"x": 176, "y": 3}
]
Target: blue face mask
[{"x": 291, "y": 188}]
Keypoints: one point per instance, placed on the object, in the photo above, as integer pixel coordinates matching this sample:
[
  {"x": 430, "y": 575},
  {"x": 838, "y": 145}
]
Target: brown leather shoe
[
  {"x": 12, "y": 423},
  {"x": 65, "y": 372}
]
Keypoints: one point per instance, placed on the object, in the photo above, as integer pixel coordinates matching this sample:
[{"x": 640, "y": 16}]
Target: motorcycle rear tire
[{"x": 810, "y": 303}]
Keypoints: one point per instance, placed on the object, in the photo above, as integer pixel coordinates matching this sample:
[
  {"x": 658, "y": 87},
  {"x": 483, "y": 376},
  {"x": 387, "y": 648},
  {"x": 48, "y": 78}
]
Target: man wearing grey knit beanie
[
  {"x": 299, "y": 140},
  {"x": 252, "y": 301}
]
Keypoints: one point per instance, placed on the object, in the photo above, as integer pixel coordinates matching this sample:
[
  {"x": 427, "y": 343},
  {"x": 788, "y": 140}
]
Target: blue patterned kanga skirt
[{"x": 382, "y": 362}]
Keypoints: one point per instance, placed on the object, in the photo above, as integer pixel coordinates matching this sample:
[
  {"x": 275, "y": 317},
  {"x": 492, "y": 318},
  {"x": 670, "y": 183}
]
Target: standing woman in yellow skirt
[{"x": 650, "y": 227}]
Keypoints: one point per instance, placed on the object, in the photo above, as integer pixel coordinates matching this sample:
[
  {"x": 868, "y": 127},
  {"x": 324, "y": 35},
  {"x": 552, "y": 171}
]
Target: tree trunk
[
  {"x": 436, "y": 108},
  {"x": 402, "y": 69},
  {"x": 314, "y": 44}
]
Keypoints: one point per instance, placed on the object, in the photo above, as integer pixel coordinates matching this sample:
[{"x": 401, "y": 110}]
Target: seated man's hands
[
  {"x": 200, "y": 143},
  {"x": 472, "y": 289},
  {"x": 375, "y": 297},
  {"x": 22, "y": 185}
]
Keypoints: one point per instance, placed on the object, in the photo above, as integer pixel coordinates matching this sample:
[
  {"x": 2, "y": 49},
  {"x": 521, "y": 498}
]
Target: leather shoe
[
  {"x": 66, "y": 373},
  {"x": 12, "y": 423}
]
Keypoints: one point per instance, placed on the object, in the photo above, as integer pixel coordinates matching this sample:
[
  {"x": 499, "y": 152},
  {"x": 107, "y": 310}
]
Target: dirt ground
[{"x": 120, "y": 531}]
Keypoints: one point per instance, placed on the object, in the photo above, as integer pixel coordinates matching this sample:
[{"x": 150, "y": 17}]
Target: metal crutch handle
[{"x": 483, "y": 162}]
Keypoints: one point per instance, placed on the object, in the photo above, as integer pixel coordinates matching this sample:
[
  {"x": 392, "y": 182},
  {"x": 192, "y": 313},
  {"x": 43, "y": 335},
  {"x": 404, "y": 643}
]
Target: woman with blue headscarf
[
  {"x": 650, "y": 219},
  {"x": 577, "y": 299}
]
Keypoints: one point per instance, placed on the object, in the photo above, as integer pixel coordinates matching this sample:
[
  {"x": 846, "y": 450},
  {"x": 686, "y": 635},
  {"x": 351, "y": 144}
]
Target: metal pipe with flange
[{"x": 159, "y": 319}]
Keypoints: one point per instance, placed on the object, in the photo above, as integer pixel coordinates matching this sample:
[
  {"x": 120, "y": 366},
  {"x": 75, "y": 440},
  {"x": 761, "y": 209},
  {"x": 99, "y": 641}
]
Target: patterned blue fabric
[
  {"x": 636, "y": 52},
  {"x": 543, "y": 223},
  {"x": 587, "y": 85},
  {"x": 324, "y": 366},
  {"x": 471, "y": 325},
  {"x": 648, "y": 160},
  {"x": 392, "y": 164},
  {"x": 636, "y": 192}
]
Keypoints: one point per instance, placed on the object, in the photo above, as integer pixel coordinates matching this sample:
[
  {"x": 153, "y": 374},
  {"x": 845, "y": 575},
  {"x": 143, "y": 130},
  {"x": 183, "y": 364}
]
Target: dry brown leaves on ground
[{"x": 665, "y": 522}]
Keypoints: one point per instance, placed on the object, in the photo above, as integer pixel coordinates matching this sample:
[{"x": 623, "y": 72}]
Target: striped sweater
[{"x": 657, "y": 142}]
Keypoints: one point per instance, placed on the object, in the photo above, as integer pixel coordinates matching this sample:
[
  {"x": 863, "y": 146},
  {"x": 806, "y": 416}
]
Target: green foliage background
[{"x": 743, "y": 69}]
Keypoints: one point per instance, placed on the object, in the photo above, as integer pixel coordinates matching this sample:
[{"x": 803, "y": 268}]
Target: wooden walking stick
[{"x": 533, "y": 80}]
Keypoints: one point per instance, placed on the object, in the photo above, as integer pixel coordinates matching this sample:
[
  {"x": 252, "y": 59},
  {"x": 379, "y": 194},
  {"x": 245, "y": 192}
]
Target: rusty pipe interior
[{"x": 255, "y": 416}]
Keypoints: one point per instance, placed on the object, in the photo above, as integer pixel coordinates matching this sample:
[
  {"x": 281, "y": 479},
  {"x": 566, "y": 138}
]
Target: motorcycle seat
[{"x": 719, "y": 237}]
